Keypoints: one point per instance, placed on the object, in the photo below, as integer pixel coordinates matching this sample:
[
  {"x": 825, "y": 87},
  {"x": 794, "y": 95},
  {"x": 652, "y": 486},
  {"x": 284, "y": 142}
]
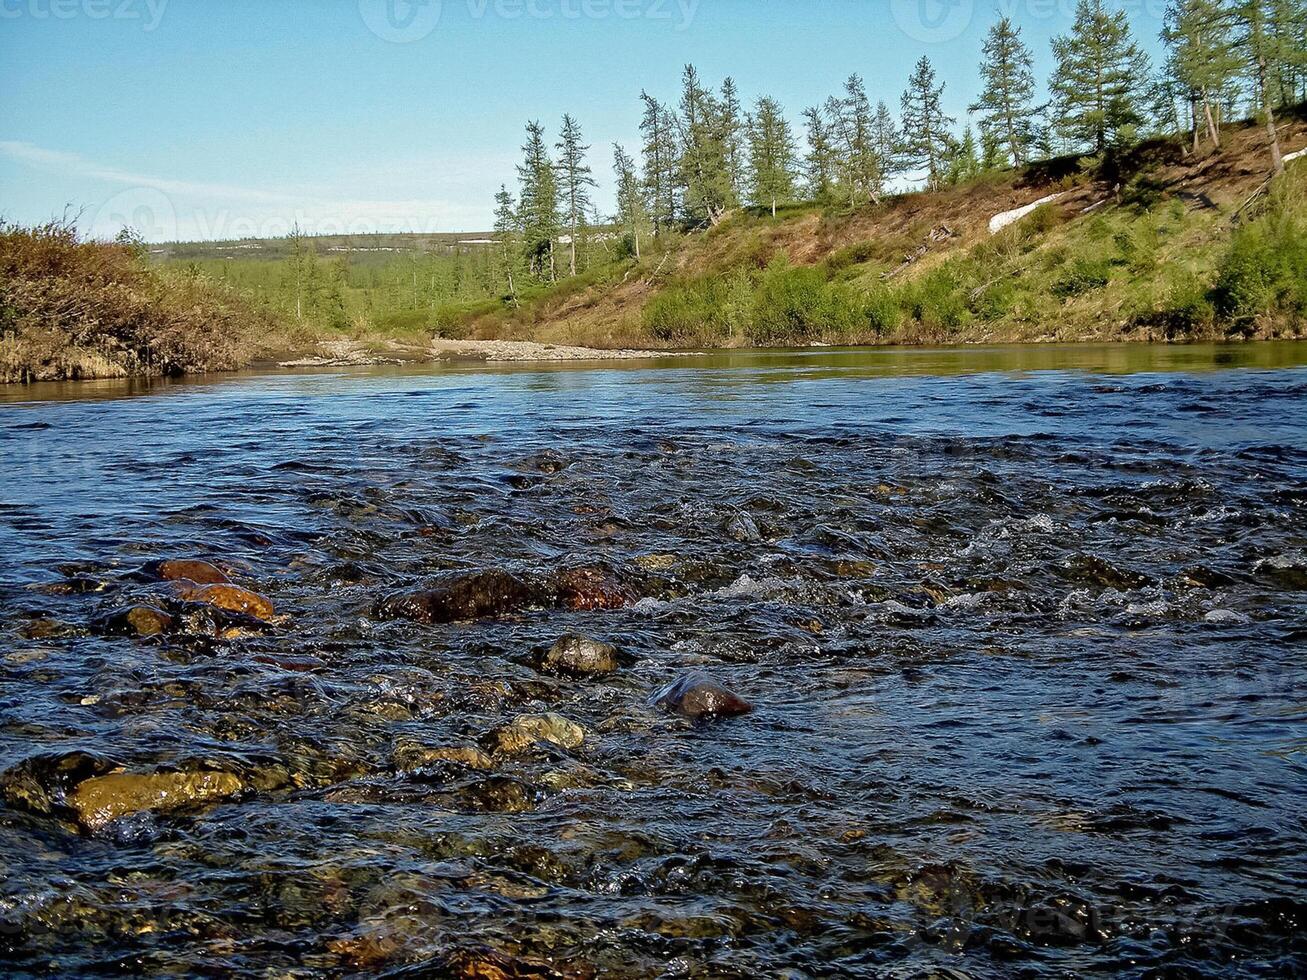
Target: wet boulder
[
  {"x": 189, "y": 570},
  {"x": 580, "y": 656},
  {"x": 414, "y": 757},
  {"x": 40, "y": 782},
  {"x": 100, "y": 800},
  {"x": 699, "y": 695},
  {"x": 139, "y": 621},
  {"x": 462, "y": 597},
  {"x": 743, "y": 528},
  {"x": 586, "y": 587},
  {"x": 231, "y": 598},
  {"x": 525, "y": 731}
]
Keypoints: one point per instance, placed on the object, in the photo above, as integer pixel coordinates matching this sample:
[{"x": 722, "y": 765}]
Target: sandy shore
[{"x": 354, "y": 353}]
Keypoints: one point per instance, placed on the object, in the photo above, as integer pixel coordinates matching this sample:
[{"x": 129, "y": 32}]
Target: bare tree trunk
[
  {"x": 1211, "y": 123},
  {"x": 1193, "y": 118},
  {"x": 1263, "y": 87}
]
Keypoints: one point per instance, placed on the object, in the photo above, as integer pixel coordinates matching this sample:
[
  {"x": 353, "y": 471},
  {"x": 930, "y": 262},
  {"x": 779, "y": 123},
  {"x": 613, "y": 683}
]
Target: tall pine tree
[
  {"x": 538, "y": 203},
  {"x": 661, "y": 162},
  {"x": 1005, "y": 103},
  {"x": 1101, "y": 74},
  {"x": 507, "y": 229},
  {"x": 819, "y": 161},
  {"x": 705, "y": 168},
  {"x": 575, "y": 181},
  {"x": 771, "y": 156},
  {"x": 927, "y": 144},
  {"x": 1202, "y": 59},
  {"x": 632, "y": 214}
]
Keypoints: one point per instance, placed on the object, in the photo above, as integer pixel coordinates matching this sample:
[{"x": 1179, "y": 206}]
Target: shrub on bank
[
  {"x": 85, "y": 309},
  {"x": 1264, "y": 270}
]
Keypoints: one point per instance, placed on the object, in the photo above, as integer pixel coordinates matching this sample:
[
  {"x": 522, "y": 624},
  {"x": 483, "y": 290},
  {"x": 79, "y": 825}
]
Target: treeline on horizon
[{"x": 708, "y": 155}]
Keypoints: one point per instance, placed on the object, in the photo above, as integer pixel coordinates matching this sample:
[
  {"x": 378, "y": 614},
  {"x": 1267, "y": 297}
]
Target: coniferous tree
[
  {"x": 733, "y": 131},
  {"x": 1286, "y": 32},
  {"x": 1099, "y": 78},
  {"x": 771, "y": 156},
  {"x": 661, "y": 162},
  {"x": 632, "y": 214},
  {"x": 819, "y": 162},
  {"x": 964, "y": 163},
  {"x": 538, "y": 204},
  {"x": 927, "y": 144},
  {"x": 1202, "y": 59},
  {"x": 575, "y": 181},
  {"x": 1250, "y": 20},
  {"x": 861, "y": 171},
  {"x": 886, "y": 141},
  {"x": 1005, "y": 103},
  {"x": 705, "y": 170},
  {"x": 507, "y": 231}
]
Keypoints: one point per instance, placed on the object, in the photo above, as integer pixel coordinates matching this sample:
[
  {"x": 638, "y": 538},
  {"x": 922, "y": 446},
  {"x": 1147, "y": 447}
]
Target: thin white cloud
[{"x": 176, "y": 208}]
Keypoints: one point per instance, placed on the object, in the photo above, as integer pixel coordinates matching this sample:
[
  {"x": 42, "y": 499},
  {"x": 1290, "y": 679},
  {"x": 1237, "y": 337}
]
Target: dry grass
[{"x": 84, "y": 309}]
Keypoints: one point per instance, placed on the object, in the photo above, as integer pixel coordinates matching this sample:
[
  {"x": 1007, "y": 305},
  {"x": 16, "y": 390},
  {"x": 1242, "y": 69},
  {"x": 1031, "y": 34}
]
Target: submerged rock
[
  {"x": 102, "y": 799},
  {"x": 461, "y": 597},
  {"x": 136, "y": 621},
  {"x": 743, "y": 528},
  {"x": 526, "y": 730},
  {"x": 414, "y": 757},
  {"x": 191, "y": 570},
  {"x": 229, "y": 597},
  {"x": 583, "y": 587},
  {"x": 699, "y": 695},
  {"x": 580, "y": 655}
]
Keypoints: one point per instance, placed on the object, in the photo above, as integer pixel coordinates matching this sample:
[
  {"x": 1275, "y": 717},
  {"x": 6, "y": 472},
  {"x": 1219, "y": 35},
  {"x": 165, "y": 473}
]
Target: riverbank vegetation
[
  {"x": 1171, "y": 214},
  {"x": 71, "y": 308}
]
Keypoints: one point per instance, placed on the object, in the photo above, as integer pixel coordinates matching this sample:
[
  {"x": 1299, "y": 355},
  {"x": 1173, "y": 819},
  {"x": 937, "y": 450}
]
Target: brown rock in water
[
  {"x": 103, "y": 799},
  {"x": 698, "y": 695},
  {"x": 414, "y": 757},
  {"x": 584, "y": 587},
  {"x": 192, "y": 570},
  {"x": 526, "y": 730},
  {"x": 461, "y": 597},
  {"x": 580, "y": 655},
  {"x": 137, "y": 621},
  {"x": 229, "y": 597}
]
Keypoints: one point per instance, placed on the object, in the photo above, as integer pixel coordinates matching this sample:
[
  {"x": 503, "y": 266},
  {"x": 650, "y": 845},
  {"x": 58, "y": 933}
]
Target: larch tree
[
  {"x": 1100, "y": 76},
  {"x": 1286, "y": 32},
  {"x": 886, "y": 141},
  {"x": 1258, "y": 50},
  {"x": 1005, "y": 104},
  {"x": 538, "y": 204},
  {"x": 705, "y": 171},
  {"x": 575, "y": 181},
  {"x": 732, "y": 124},
  {"x": 771, "y": 156},
  {"x": 861, "y": 171},
  {"x": 507, "y": 231},
  {"x": 1202, "y": 59},
  {"x": 819, "y": 161},
  {"x": 927, "y": 144},
  {"x": 632, "y": 214},
  {"x": 661, "y": 162},
  {"x": 964, "y": 163}
]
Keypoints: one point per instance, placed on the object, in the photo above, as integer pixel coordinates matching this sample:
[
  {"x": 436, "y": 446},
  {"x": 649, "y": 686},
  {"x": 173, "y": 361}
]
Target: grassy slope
[{"x": 1142, "y": 265}]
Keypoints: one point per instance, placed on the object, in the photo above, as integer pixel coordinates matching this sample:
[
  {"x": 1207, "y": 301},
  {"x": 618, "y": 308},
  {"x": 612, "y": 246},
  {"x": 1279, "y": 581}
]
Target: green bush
[
  {"x": 937, "y": 299},
  {"x": 1265, "y": 268},
  {"x": 1084, "y": 276}
]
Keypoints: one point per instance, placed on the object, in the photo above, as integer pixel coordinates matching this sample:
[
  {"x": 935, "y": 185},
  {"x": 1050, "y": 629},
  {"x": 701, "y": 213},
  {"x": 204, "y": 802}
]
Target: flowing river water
[{"x": 1022, "y": 629}]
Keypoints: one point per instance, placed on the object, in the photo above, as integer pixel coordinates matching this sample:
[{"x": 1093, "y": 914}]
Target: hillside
[{"x": 1149, "y": 254}]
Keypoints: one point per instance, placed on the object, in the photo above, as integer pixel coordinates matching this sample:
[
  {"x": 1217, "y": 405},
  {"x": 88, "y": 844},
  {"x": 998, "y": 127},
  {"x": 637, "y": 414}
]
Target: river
[{"x": 1022, "y": 630}]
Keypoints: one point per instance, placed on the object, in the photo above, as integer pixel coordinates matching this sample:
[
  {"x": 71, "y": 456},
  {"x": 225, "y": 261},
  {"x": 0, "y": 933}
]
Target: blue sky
[{"x": 228, "y": 118}]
